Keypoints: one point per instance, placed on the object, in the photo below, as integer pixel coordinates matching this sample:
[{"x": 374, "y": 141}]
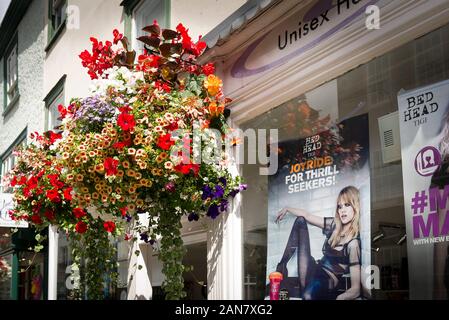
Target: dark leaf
[
  {"x": 168, "y": 49},
  {"x": 130, "y": 57},
  {"x": 227, "y": 113},
  {"x": 150, "y": 41},
  {"x": 153, "y": 29},
  {"x": 169, "y": 34},
  {"x": 125, "y": 43},
  {"x": 165, "y": 49}
]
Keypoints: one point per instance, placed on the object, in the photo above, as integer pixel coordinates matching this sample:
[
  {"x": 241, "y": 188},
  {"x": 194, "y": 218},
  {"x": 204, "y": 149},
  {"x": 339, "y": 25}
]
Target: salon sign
[
  {"x": 424, "y": 131},
  {"x": 6, "y": 204},
  {"x": 298, "y": 34}
]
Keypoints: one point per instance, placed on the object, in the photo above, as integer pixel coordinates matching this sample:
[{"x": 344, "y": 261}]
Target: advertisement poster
[
  {"x": 319, "y": 214},
  {"x": 424, "y": 129}
]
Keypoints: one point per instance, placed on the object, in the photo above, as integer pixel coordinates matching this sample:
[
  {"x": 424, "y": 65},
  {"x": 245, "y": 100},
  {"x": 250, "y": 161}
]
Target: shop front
[{"x": 335, "y": 92}]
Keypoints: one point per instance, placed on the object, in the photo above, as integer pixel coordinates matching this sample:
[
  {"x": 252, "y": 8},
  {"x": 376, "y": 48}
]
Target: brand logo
[{"x": 427, "y": 161}]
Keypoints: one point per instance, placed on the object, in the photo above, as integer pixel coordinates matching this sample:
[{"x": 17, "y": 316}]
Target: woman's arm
[
  {"x": 310, "y": 218},
  {"x": 354, "y": 291}
]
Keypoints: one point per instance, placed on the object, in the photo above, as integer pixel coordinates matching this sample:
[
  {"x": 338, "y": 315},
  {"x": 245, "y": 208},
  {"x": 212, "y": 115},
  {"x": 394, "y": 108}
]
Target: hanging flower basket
[{"x": 149, "y": 139}]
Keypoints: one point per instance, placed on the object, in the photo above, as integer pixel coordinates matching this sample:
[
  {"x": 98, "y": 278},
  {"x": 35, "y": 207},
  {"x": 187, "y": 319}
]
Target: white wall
[
  {"x": 97, "y": 18},
  {"x": 29, "y": 110},
  {"x": 201, "y": 16}
]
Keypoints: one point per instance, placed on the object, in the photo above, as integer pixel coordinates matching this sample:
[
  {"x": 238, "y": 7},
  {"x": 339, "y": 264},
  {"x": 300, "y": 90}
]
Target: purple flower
[
  {"x": 243, "y": 187},
  {"x": 128, "y": 218},
  {"x": 207, "y": 192},
  {"x": 223, "y": 181},
  {"x": 144, "y": 237},
  {"x": 170, "y": 187},
  {"x": 193, "y": 216},
  {"x": 224, "y": 205},
  {"x": 234, "y": 192},
  {"x": 219, "y": 192},
  {"x": 152, "y": 241},
  {"x": 93, "y": 113},
  {"x": 213, "y": 211}
]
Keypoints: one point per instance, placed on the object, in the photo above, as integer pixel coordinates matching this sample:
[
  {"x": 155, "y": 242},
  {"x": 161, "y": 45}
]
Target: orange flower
[
  {"x": 215, "y": 110},
  {"x": 213, "y": 84}
]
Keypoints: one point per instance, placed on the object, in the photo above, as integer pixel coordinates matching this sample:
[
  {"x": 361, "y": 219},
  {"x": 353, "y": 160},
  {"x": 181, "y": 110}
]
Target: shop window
[
  {"x": 11, "y": 76},
  {"x": 5, "y": 275},
  {"x": 370, "y": 89},
  {"x": 8, "y": 160}
]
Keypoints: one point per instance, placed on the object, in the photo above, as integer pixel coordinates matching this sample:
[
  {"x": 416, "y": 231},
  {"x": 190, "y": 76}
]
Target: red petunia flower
[
  {"x": 187, "y": 168},
  {"x": 32, "y": 183},
  {"x": 79, "y": 213},
  {"x": 53, "y": 195},
  {"x": 121, "y": 144},
  {"x": 126, "y": 121},
  {"x": 123, "y": 211},
  {"x": 164, "y": 142},
  {"x": 68, "y": 194},
  {"x": 81, "y": 227},
  {"x": 36, "y": 219},
  {"x": 110, "y": 166},
  {"x": 109, "y": 226},
  {"x": 50, "y": 214}
]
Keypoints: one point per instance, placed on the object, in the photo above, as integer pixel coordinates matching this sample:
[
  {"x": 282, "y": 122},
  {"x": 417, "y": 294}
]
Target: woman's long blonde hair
[{"x": 350, "y": 195}]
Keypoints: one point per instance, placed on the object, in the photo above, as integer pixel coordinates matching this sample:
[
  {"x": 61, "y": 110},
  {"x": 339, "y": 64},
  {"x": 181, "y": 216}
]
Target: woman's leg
[
  {"x": 299, "y": 241},
  {"x": 318, "y": 286}
]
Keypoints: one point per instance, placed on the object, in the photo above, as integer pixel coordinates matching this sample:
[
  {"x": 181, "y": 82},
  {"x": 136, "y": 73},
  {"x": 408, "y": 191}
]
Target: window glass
[
  {"x": 368, "y": 89},
  {"x": 11, "y": 75},
  {"x": 58, "y": 8},
  {"x": 53, "y": 120},
  {"x": 145, "y": 13},
  {"x": 8, "y": 162}
]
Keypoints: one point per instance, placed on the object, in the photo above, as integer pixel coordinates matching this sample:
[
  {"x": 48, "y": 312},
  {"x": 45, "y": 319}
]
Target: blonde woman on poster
[{"x": 341, "y": 249}]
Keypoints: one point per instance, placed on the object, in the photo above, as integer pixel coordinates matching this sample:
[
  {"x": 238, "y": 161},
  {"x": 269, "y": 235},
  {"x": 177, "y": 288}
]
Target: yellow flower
[
  {"x": 131, "y": 207},
  {"x": 120, "y": 173},
  {"x": 168, "y": 165},
  {"x": 79, "y": 177},
  {"x": 98, "y": 187},
  {"x": 95, "y": 196},
  {"x": 131, "y": 151},
  {"x": 70, "y": 176},
  {"x": 159, "y": 159},
  {"x": 132, "y": 190},
  {"x": 84, "y": 190},
  {"x": 213, "y": 84},
  {"x": 154, "y": 172},
  {"x": 137, "y": 141},
  {"x": 138, "y": 176},
  {"x": 65, "y": 155},
  {"x": 139, "y": 203},
  {"x": 104, "y": 198},
  {"x": 125, "y": 164},
  {"x": 163, "y": 155},
  {"x": 91, "y": 154}
]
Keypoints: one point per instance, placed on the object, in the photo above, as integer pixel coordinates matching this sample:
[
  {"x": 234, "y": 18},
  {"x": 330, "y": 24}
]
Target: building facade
[{"x": 289, "y": 66}]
